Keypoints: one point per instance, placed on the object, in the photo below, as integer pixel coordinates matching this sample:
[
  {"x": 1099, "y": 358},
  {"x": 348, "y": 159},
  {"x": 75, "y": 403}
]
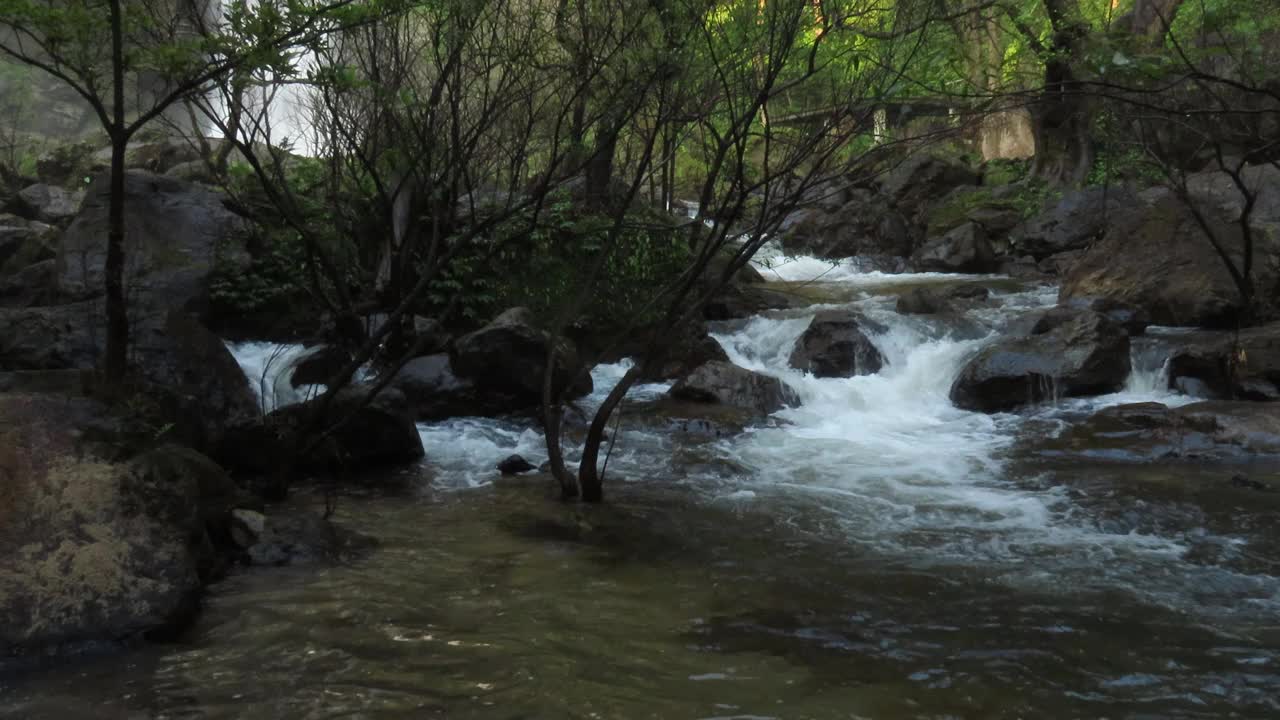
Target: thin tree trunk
[{"x": 117, "y": 359}]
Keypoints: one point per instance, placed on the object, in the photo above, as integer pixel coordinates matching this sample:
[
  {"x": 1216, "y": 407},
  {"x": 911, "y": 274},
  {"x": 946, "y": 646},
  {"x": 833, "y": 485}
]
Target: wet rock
[
  {"x": 1060, "y": 264},
  {"x": 1158, "y": 259},
  {"x": 509, "y": 356},
  {"x": 1079, "y": 219},
  {"x": 299, "y": 537},
  {"x": 723, "y": 383},
  {"x": 514, "y": 465},
  {"x": 1068, "y": 354},
  {"x": 319, "y": 365},
  {"x": 1132, "y": 318},
  {"x": 48, "y": 203},
  {"x": 1242, "y": 481},
  {"x": 964, "y": 249},
  {"x": 738, "y": 301},
  {"x": 1146, "y": 432},
  {"x": 247, "y": 527},
  {"x": 835, "y": 345},
  {"x": 357, "y": 435},
  {"x": 935, "y": 300},
  {"x": 1243, "y": 366},
  {"x": 693, "y": 347}
]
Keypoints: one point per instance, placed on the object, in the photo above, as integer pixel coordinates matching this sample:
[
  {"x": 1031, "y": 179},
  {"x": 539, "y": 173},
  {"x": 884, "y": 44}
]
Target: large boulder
[
  {"x": 1244, "y": 365},
  {"x": 836, "y": 345},
  {"x": 92, "y": 550},
  {"x": 201, "y": 383},
  {"x": 343, "y": 436},
  {"x": 509, "y": 355},
  {"x": 1145, "y": 432},
  {"x": 48, "y": 203},
  {"x": 921, "y": 180},
  {"x": 997, "y": 210},
  {"x": 964, "y": 249},
  {"x": 176, "y": 235},
  {"x": 1069, "y": 353},
  {"x": 727, "y": 384},
  {"x": 866, "y": 226},
  {"x": 23, "y": 243},
  {"x": 434, "y": 392},
  {"x": 1079, "y": 219},
  {"x": 1158, "y": 258}
]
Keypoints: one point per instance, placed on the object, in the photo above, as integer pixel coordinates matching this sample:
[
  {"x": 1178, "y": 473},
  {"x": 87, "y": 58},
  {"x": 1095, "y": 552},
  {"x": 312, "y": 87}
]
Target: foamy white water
[{"x": 269, "y": 367}]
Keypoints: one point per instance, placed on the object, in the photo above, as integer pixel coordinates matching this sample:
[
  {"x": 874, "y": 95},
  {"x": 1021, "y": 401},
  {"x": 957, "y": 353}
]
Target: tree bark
[{"x": 116, "y": 362}]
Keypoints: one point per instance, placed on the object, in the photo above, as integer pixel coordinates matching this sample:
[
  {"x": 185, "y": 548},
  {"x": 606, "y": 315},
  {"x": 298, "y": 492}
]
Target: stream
[{"x": 872, "y": 553}]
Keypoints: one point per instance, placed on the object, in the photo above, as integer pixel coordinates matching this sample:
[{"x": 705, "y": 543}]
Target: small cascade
[
  {"x": 1149, "y": 375},
  {"x": 269, "y": 367}
]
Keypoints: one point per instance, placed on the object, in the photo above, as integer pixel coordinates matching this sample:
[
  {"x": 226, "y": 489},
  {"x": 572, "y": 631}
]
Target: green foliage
[
  {"x": 542, "y": 263},
  {"x": 277, "y": 275}
]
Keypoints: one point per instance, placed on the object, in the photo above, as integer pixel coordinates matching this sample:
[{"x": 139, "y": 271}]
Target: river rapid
[{"x": 871, "y": 553}]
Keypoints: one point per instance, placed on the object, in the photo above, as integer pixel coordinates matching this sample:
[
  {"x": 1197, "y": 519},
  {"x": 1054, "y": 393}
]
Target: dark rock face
[
  {"x": 434, "y": 392},
  {"x": 378, "y": 434},
  {"x": 509, "y": 356},
  {"x": 1159, "y": 260},
  {"x": 964, "y": 249},
  {"x": 1068, "y": 354},
  {"x": 727, "y": 384},
  {"x": 932, "y": 301},
  {"x": 835, "y": 345},
  {"x": 1145, "y": 432},
  {"x": 1246, "y": 368},
  {"x": 95, "y": 551},
  {"x": 177, "y": 233},
  {"x": 1080, "y": 218}
]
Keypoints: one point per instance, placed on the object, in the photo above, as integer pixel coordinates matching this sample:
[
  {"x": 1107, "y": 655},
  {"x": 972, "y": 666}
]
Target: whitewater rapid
[{"x": 884, "y": 460}]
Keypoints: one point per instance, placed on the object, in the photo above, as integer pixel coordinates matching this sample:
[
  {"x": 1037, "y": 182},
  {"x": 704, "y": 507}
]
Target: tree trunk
[
  {"x": 589, "y": 478},
  {"x": 116, "y": 362}
]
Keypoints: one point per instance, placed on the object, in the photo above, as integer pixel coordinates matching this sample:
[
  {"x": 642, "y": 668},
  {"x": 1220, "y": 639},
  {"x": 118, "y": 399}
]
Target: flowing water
[{"x": 871, "y": 553}]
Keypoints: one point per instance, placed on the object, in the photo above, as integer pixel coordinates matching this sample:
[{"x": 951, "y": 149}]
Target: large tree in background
[{"x": 133, "y": 61}]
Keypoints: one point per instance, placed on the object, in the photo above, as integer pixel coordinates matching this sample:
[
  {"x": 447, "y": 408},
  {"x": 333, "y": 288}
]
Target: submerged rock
[
  {"x": 1068, "y": 354},
  {"x": 1144, "y": 432},
  {"x": 835, "y": 345},
  {"x": 514, "y": 465},
  {"x": 727, "y": 384},
  {"x": 933, "y": 300}
]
